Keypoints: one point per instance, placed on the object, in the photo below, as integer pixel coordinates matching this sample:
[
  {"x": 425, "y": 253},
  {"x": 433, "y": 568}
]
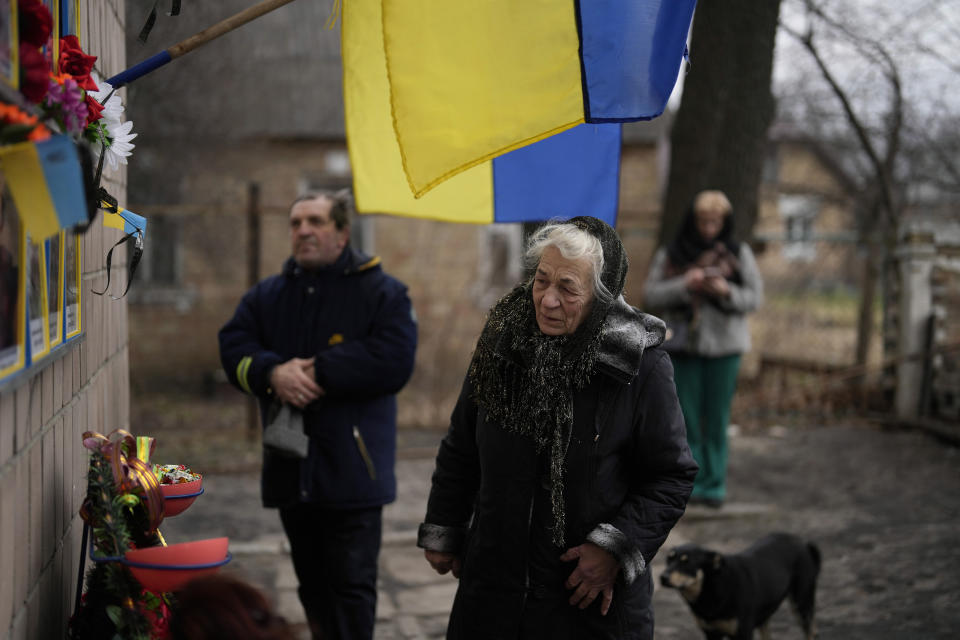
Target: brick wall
[{"x": 79, "y": 386}]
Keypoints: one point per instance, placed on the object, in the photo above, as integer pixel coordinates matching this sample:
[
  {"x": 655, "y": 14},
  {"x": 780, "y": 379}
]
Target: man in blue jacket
[{"x": 332, "y": 337}]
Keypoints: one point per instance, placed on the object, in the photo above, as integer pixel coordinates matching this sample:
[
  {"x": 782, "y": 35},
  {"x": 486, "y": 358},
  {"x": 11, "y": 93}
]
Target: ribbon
[
  {"x": 109, "y": 203},
  {"x": 152, "y": 18},
  {"x": 334, "y": 14},
  {"x": 130, "y": 473}
]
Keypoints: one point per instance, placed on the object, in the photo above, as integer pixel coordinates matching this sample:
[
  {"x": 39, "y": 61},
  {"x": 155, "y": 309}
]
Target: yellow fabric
[
  {"x": 470, "y": 81},
  {"x": 24, "y": 173},
  {"x": 113, "y": 220},
  {"x": 379, "y": 182}
]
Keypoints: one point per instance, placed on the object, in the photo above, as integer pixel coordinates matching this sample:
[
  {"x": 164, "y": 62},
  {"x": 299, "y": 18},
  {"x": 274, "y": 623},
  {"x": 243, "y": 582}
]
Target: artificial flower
[
  {"x": 16, "y": 125},
  {"x": 76, "y": 63},
  {"x": 65, "y": 102},
  {"x": 34, "y": 73},
  {"x": 111, "y": 130},
  {"x": 119, "y": 148},
  {"x": 35, "y": 22},
  {"x": 94, "y": 109},
  {"x": 112, "y": 106}
]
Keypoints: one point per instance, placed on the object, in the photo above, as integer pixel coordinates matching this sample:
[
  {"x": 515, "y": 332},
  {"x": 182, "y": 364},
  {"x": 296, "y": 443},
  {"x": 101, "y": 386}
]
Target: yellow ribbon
[
  {"x": 334, "y": 14},
  {"x": 120, "y": 449}
]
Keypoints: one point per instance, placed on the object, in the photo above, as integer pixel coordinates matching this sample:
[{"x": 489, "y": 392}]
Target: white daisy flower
[
  {"x": 120, "y": 147},
  {"x": 119, "y": 132}
]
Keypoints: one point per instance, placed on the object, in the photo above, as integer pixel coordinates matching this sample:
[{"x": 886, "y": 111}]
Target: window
[
  {"x": 500, "y": 261},
  {"x": 161, "y": 251},
  {"x": 799, "y": 212},
  {"x": 159, "y": 275}
]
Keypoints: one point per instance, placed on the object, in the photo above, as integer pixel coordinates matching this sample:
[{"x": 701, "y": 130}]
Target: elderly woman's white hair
[{"x": 573, "y": 243}]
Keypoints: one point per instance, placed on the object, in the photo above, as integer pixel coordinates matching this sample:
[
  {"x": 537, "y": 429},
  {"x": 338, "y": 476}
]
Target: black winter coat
[
  {"x": 629, "y": 472},
  {"x": 358, "y": 323}
]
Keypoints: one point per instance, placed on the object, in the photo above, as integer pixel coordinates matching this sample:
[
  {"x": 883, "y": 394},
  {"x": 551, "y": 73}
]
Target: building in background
[{"x": 232, "y": 132}]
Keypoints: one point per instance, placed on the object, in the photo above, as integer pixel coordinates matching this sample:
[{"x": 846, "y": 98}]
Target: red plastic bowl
[
  {"x": 161, "y": 569},
  {"x": 177, "y": 497}
]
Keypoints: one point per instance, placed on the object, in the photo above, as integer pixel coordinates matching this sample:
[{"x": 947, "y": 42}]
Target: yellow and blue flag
[
  {"x": 46, "y": 182},
  {"x": 573, "y": 171},
  {"x": 470, "y": 81}
]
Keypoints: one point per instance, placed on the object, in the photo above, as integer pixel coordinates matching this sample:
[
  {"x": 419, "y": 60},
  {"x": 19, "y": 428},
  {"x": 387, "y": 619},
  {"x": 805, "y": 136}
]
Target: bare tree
[
  {"x": 868, "y": 125},
  {"x": 719, "y": 135}
]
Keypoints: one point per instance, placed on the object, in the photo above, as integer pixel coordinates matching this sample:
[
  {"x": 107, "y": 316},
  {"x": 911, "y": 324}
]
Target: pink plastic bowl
[
  {"x": 177, "y": 497},
  {"x": 161, "y": 569}
]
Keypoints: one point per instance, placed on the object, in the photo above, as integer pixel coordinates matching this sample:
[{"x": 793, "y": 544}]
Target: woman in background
[{"x": 703, "y": 285}]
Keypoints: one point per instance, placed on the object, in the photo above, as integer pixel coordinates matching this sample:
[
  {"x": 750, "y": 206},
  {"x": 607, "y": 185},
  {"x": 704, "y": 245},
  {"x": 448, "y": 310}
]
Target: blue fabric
[
  {"x": 631, "y": 52},
  {"x": 358, "y": 323},
  {"x": 573, "y": 173},
  {"x": 64, "y": 177}
]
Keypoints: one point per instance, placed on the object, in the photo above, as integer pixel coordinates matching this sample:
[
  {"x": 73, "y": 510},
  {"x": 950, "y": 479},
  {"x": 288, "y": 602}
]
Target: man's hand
[
  {"x": 595, "y": 573},
  {"x": 293, "y": 382},
  {"x": 443, "y": 562}
]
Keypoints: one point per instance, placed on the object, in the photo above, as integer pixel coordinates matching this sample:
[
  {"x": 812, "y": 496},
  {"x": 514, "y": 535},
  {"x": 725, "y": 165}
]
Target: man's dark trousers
[{"x": 334, "y": 555}]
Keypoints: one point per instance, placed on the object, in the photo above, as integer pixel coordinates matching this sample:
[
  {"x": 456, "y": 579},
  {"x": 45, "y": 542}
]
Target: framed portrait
[
  {"x": 13, "y": 283},
  {"x": 54, "y": 251},
  {"x": 53, "y": 43},
  {"x": 9, "y": 44},
  {"x": 70, "y": 18},
  {"x": 71, "y": 285},
  {"x": 38, "y": 336}
]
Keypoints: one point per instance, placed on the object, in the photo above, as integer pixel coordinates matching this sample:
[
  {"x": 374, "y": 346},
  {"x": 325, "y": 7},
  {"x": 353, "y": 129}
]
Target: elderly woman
[
  {"x": 566, "y": 464},
  {"x": 705, "y": 283}
]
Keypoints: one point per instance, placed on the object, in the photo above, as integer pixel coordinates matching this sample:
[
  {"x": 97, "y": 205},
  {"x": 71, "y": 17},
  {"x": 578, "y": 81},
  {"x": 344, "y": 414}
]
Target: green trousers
[{"x": 705, "y": 387}]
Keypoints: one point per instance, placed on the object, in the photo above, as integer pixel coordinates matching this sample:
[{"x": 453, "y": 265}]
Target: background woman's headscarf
[{"x": 688, "y": 245}]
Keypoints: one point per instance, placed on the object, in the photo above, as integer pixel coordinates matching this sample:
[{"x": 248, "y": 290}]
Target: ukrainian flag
[
  {"x": 46, "y": 182},
  {"x": 501, "y": 110}
]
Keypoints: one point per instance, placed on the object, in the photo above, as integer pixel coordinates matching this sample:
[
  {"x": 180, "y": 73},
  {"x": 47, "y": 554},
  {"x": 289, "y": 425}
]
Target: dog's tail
[{"x": 815, "y": 555}]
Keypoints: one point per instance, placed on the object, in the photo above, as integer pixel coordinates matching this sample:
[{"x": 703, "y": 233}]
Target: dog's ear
[{"x": 716, "y": 560}]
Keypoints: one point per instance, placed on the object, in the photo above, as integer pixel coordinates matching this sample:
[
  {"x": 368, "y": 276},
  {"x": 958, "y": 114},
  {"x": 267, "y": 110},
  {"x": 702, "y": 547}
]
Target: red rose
[
  {"x": 93, "y": 109},
  {"x": 75, "y": 62},
  {"x": 34, "y": 73},
  {"x": 35, "y": 22}
]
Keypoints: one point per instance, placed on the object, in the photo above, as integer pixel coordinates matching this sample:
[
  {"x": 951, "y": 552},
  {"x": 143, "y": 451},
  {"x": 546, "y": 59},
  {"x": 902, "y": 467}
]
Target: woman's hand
[
  {"x": 594, "y": 575},
  {"x": 716, "y": 286},
  {"x": 693, "y": 279},
  {"x": 443, "y": 562}
]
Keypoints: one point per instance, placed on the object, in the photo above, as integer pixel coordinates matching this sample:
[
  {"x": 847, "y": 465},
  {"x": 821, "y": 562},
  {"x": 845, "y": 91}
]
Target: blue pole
[{"x": 140, "y": 69}]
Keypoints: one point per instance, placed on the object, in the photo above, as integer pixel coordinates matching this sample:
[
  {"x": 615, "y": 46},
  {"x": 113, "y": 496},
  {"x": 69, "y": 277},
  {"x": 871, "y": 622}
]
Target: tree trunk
[
  {"x": 873, "y": 262},
  {"x": 719, "y": 135}
]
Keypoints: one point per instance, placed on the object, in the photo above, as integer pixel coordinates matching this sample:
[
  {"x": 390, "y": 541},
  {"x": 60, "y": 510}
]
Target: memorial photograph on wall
[
  {"x": 55, "y": 288},
  {"x": 52, "y": 48},
  {"x": 12, "y": 287},
  {"x": 69, "y": 12},
  {"x": 9, "y": 69},
  {"x": 71, "y": 285},
  {"x": 37, "y": 301}
]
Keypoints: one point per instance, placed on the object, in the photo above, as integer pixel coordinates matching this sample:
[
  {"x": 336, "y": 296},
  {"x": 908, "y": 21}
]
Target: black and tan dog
[{"x": 733, "y": 594}]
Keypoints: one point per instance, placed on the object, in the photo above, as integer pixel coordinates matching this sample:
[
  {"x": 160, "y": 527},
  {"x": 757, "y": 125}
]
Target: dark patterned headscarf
[
  {"x": 689, "y": 245},
  {"x": 526, "y": 380}
]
